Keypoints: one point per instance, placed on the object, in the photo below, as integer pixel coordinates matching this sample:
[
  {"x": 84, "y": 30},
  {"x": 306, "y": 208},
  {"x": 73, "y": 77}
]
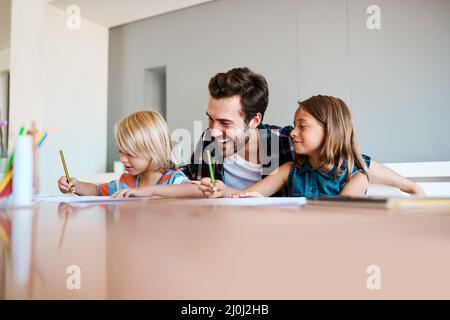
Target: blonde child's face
[
  {"x": 133, "y": 165},
  {"x": 308, "y": 134}
]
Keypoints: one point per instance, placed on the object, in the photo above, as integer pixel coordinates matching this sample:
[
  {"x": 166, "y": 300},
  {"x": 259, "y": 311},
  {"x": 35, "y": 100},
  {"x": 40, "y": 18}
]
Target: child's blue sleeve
[{"x": 107, "y": 189}]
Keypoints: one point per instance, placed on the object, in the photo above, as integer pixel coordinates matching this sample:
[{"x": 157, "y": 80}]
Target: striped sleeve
[
  {"x": 107, "y": 189},
  {"x": 174, "y": 177},
  {"x": 124, "y": 182}
]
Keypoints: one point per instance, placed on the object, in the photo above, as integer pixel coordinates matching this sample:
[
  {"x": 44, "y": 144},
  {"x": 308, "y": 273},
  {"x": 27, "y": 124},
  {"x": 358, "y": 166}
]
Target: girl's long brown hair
[{"x": 340, "y": 143}]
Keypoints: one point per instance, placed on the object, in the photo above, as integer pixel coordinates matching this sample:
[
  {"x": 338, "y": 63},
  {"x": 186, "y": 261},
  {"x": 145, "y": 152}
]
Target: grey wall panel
[
  {"x": 400, "y": 79},
  {"x": 194, "y": 44},
  {"x": 396, "y": 80}
]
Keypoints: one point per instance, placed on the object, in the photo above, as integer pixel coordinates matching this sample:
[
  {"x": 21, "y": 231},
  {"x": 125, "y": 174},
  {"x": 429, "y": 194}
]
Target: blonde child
[
  {"x": 143, "y": 143},
  {"x": 327, "y": 157}
]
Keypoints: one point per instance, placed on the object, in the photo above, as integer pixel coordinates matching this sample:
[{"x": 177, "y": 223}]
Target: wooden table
[{"x": 162, "y": 249}]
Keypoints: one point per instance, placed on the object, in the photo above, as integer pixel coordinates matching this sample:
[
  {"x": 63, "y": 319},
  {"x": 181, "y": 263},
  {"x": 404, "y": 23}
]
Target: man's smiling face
[{"x": 227, "y": 124}]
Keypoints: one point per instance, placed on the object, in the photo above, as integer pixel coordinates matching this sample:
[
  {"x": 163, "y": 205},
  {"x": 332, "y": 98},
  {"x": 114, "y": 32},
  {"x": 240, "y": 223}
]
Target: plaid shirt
[{"x": 275, "y": 149}]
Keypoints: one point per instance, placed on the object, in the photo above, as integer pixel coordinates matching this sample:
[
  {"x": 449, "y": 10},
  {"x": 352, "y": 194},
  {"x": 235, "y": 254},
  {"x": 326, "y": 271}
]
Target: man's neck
[{"x": 251, "y": 149}]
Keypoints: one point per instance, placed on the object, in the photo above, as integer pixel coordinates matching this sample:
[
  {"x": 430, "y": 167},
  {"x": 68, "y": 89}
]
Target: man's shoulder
[{"x": 276, "y": 130}]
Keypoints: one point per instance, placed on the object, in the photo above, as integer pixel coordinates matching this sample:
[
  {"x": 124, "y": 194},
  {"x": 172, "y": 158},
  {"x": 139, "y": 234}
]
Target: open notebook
[
  {"x": 270, "y": 201},
  {"x": 392, "y": 203},
  {"x": 74, "y": 198}
]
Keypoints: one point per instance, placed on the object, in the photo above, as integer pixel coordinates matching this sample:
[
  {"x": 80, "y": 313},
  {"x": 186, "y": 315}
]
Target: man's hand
[{"x": 212, "y": 191}]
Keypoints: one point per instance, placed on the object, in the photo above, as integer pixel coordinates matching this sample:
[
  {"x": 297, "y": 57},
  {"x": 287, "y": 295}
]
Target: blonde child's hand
[
  {"x": 251, "y": 194},
  {"x": 212, "y": 191},
  {"x": 133, "y": 192},
  {"x": 64, "y": 186}
]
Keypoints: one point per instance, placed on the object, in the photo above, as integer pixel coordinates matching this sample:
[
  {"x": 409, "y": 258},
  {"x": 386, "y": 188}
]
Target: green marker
[
  {"x": 211, "y": 172},
  {"x": 11, "y": 156},
  {"x": 10, "y": 161}
]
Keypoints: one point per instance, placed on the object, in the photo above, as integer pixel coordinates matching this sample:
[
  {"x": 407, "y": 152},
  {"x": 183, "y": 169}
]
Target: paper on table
[
  {"x": 273, "y": 201},
  {"x": 72, "y": 198}
]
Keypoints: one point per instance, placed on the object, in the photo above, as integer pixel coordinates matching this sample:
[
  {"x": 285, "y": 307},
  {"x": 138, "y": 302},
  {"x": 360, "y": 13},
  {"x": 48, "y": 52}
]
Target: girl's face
[
  {"x": 308, "y": 134},
  {"x": 133, "y": 165}
]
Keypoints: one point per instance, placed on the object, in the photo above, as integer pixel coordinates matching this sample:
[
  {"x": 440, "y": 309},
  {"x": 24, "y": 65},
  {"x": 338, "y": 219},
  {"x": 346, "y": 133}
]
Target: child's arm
[
  {"x": 265, "y": 187},
  {"x": 78, "y": 187},
  {"x": 380, "y": 174},
  {"x": 356, "y": 187},
  {"x": 271, "y": 184},
  {"x": 185, "y": 190}
]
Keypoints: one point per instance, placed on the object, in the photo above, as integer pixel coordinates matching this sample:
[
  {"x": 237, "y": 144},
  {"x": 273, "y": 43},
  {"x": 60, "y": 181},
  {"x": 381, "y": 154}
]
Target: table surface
[{"x": 164, "y": 249}]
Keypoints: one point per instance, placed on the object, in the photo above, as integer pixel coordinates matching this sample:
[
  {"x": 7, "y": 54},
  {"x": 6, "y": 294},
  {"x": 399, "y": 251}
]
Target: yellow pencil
[{"x": 65, "y": 169}]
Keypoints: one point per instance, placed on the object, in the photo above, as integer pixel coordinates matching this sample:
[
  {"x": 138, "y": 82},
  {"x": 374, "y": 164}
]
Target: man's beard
[{"x": 231, "y": 147}]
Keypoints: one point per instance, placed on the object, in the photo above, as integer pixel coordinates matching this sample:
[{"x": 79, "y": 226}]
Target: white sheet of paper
[
  {"x": 73, "y": 198},
  {"x": 274, "y": 201}
]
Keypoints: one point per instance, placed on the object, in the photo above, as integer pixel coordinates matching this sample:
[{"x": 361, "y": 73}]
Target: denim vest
[{"x": 305, "y": 181}]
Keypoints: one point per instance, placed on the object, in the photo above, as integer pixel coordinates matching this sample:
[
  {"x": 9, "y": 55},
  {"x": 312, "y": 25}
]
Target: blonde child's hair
[
  {"x": 144, "y": 134},
  {"x": 340, "y": 137}
]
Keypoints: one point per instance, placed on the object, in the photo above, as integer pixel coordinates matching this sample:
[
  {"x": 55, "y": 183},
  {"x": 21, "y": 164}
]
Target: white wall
[
  {"x": 59, "y": 78},
  {"x": 76, "y": 78},
  {"x": 26, "y": 55}
]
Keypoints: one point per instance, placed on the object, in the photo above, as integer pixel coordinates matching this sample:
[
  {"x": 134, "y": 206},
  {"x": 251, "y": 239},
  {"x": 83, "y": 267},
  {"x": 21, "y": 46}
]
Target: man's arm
[{"x": 380, "y": 174}]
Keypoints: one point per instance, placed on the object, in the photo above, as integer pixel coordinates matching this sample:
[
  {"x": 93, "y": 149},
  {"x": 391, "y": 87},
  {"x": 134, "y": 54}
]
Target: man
[{"x": 245, "y": 150}]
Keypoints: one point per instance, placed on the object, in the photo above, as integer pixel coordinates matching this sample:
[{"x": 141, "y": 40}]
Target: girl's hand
[
  {"x": 64, "y": 186},
  {"x": 132, "y": 192},
  {"x": 250, "y": 194},
  {"x": 413, "y": 189},
  {"x": 212, "y": 191}
]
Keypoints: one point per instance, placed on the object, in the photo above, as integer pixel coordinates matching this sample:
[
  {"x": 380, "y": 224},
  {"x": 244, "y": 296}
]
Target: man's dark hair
[{"x": 249, "y": 86}]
